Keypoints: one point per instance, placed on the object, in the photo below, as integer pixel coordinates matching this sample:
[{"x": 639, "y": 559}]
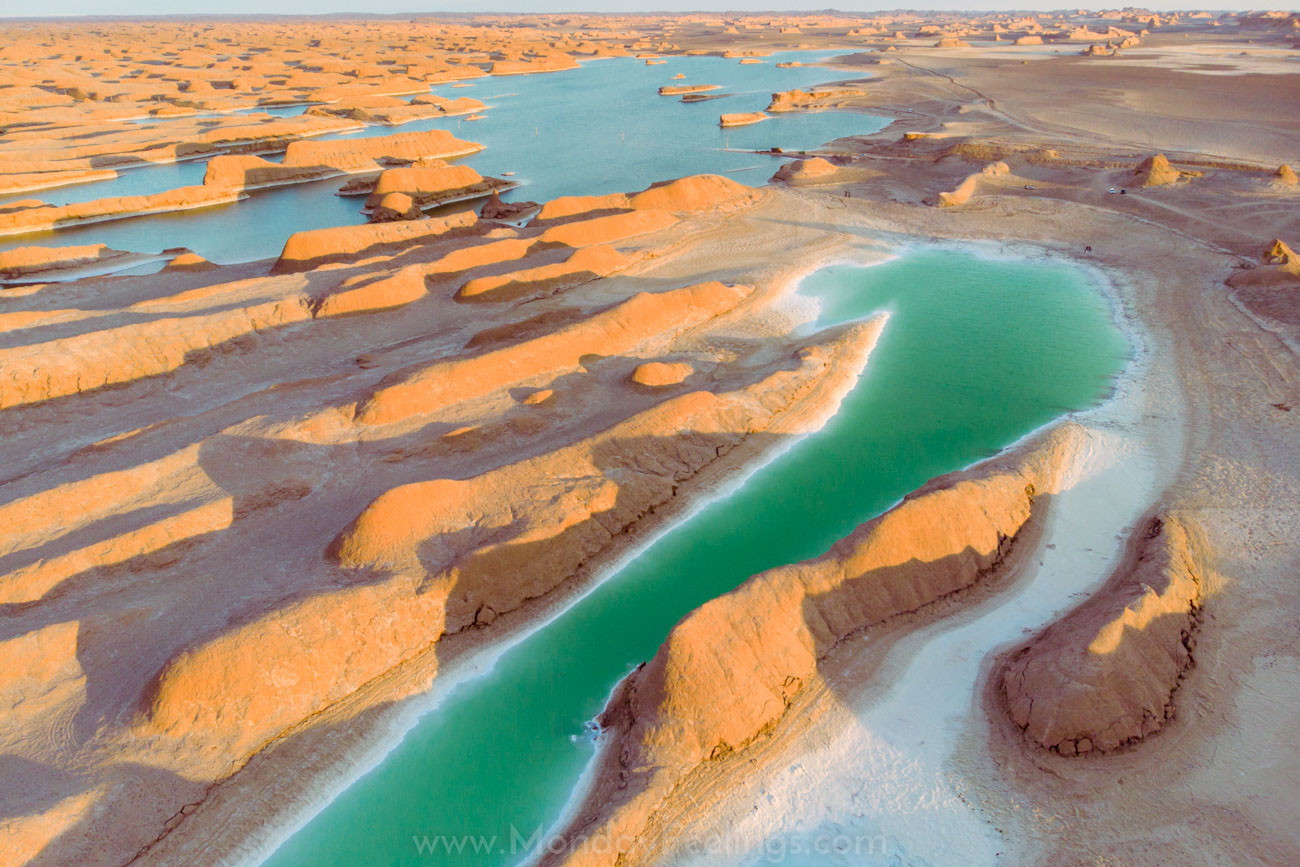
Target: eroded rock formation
[
  {"x": 729, "y": 670},
  {"x": 1105, "y": 675}
]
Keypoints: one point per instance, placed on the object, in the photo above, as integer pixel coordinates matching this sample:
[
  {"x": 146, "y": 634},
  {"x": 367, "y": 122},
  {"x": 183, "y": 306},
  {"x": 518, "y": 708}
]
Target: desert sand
[{"x": 250, "y": 515}]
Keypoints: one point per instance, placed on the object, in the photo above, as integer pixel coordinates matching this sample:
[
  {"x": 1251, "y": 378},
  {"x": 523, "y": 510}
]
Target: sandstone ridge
[
  {"x": 1104, "y": 676},
  {"x": 728, "y": 670}
]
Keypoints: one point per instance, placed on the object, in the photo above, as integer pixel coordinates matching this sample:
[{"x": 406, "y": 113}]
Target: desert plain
[{"x": 252, "y": 513}]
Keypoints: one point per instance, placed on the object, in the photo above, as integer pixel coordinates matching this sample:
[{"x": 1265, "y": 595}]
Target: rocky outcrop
[
  {"x": 966, "y": 190},
  {"x": 366, "y": 154},
  {"x": 1278, "y": 268},
  {"x": 583, "y": 265},
  {"x": 810, "y": 171},
  {"x": 535, "y": 523},
  {"x": 549, "y": 63},
  {"x": 366, "y": 294},
  {"x": 312, "y": 160},
  {"x": 741, "y": 119},
  {"x": 1281, "y": 256},
  {"x": 190, "y": 262},
  {"x": 45, "y": 217},
  {"x": 31, "y": 261},
  {"x": 495, "y": 209},
  {"x": 679, "y": 89},
  {"x": 729, "y": 670},
  {"x": 479, "y": 255},
  {"x": 248, "y": 172},
  {"x": 1155, "y": 171},
  {"x": 802, "y": 100},
  {"x": 608, "y": 230},
  {"x": 564, "y": 207},
  {"x": 37, "y": 372},
  {"x": 449, "y": 107},
  {"x": 393, "y": 111},
  {"x": 394, "y": 206},
  {"x": 614, "y": 331},
  {"x": 26, "y": 182},
  {"x": 304, "y": 251},
  {"x": 659, "y": 374},
  {"x": 132, "y": 145},
  {"x": 431, "y": 186},
  {"x": 47, "y": 537},
  {"x": 1104, "y": 676},
  {"x": 691, "y": 193}
]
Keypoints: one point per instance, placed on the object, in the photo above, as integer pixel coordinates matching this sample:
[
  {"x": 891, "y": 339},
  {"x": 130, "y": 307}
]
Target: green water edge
[{"x": 972, "y": 359}]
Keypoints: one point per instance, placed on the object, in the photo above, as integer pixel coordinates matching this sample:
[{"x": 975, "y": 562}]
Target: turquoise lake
[
  {"x": 602, "y": 128},
  {"x": 977, "y": 352}
]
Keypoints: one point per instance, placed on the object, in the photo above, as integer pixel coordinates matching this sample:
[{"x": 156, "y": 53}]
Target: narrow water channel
[{"x": 977, "y": 352}]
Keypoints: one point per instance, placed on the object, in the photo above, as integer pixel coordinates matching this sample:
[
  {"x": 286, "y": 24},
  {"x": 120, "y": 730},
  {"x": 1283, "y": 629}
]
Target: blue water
[
  {"x": 971, "y": 359},
  {"x": 598, "y": 129}
]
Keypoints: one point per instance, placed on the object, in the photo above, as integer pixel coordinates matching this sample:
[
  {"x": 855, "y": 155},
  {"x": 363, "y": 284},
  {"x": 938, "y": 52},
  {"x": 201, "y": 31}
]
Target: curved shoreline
[
  {"x": 895, "y": 642},
  {"x": 403, "y": 698},
  {"x": 845, "y": 742},
  {"x": 389, "y": 741}
]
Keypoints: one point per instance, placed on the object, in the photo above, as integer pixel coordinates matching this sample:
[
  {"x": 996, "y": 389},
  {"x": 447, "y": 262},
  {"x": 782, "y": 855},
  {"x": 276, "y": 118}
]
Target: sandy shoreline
[
  {"x": 376, "y": 727},
  {"x": 908, "y": 727},
  {"x": 1163, "y": 401},
  {"x": 463, "y": 658},
  {"x": 387, "y": 729}
]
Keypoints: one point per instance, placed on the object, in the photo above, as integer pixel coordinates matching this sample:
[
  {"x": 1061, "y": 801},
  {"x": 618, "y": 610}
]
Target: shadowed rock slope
[
  {"x": 1104, "y": 676},
  {"x": 730, "y": 669}
]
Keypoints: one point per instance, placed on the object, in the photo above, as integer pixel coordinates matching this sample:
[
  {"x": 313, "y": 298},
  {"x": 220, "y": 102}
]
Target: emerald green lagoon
[{"x": 978, "y": 352}]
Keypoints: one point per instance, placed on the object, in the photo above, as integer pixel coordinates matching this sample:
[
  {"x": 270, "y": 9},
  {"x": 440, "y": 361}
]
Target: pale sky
[{"x": 12, "y": 8}]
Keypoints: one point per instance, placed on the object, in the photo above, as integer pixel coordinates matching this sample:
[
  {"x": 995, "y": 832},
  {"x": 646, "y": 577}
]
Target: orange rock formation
[
  {"x": 741, "y": 119},
  {"x": 658, "y": 374},
  {"x": 1104, "y": 676},
  {"x": 583, "y": 265},
  {"x": 810, "y": 171},
  {"x": 218, "y": 701},
  {"x": 617, "y": 330},
  {"x": 1155, "y": 171},
  {"x": 796, "y": 100},
  {"x": 729, "y": 670},
  {"x": 311, "y": 249},
  {"x": 26, "y": 261}
]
